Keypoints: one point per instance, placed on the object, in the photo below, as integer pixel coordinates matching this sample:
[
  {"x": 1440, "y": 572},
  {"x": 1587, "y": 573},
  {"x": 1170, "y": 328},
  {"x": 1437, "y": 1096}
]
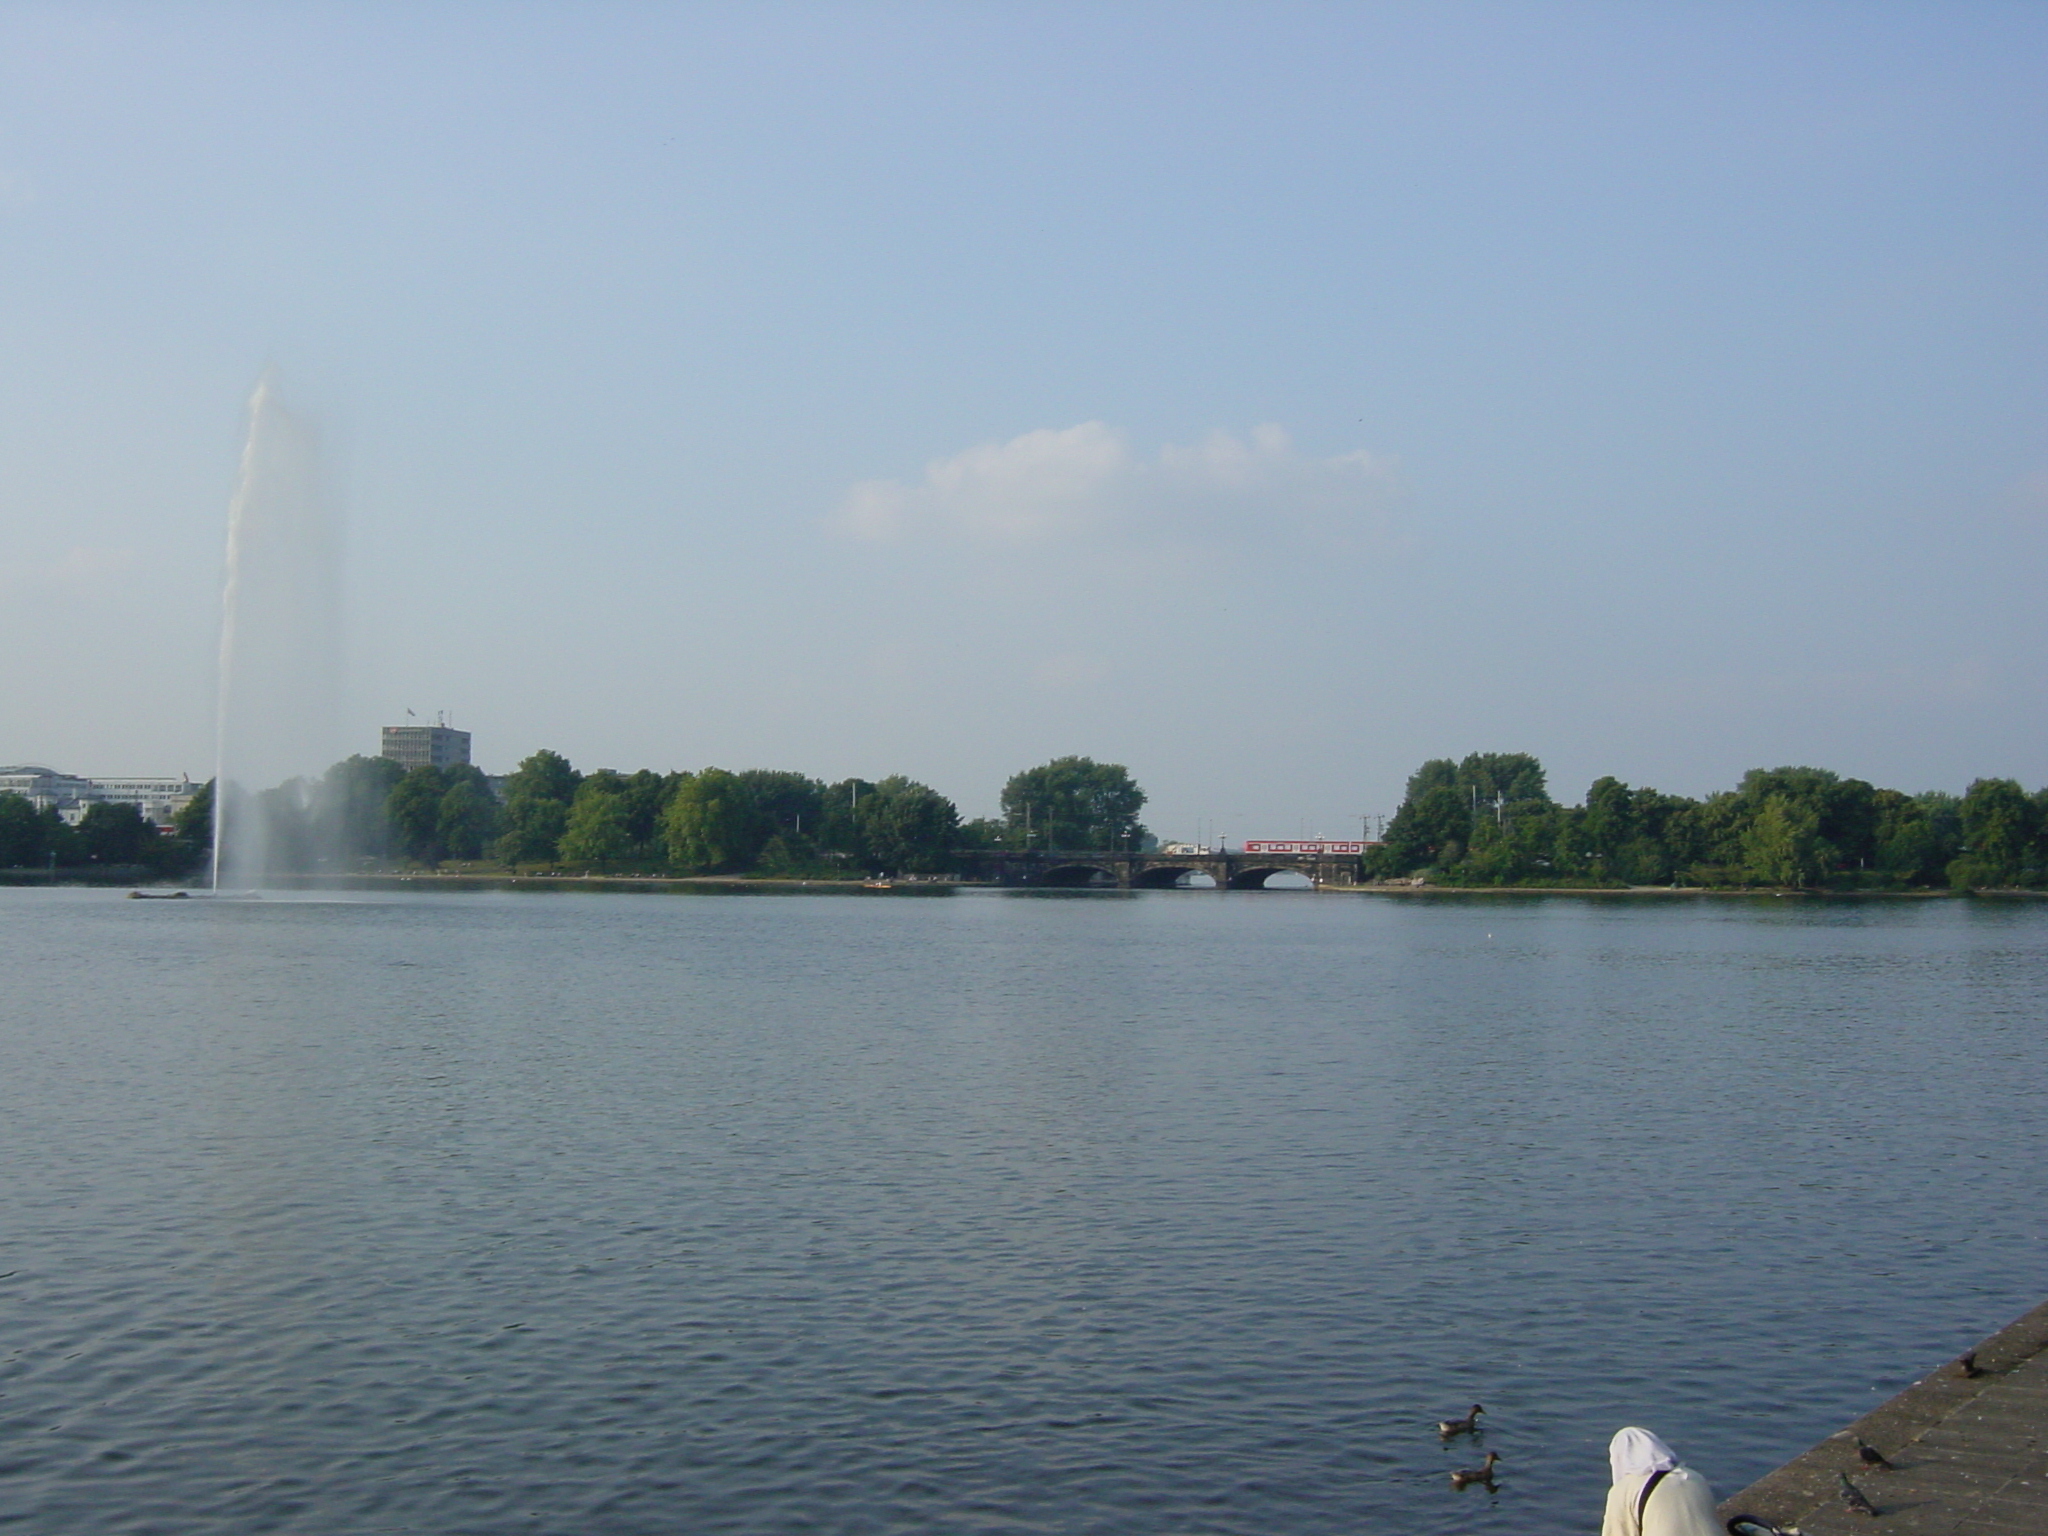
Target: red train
[{"x": 1322, "y": 845}]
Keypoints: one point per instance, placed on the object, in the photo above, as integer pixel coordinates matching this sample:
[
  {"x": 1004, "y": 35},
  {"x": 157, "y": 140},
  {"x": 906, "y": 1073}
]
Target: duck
[
  {"x": 1465, "y": 1477},
  {"x": 1465, "y": 1426},
  {"x": 1872, "y": 1457}
]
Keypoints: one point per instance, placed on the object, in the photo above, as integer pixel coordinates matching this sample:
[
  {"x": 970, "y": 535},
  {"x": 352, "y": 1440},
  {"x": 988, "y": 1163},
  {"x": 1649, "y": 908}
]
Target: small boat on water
[
  {"x": 878, "y": 885},
  {"x": 158, "y": 895}
]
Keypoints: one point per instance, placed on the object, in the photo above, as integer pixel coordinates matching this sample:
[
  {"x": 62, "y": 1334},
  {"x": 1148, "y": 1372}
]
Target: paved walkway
[{"x": 1971, "y": 1453}]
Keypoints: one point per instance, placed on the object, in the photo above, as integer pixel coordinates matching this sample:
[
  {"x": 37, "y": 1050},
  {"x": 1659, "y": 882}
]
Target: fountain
[{"x": 280, "y": 638}]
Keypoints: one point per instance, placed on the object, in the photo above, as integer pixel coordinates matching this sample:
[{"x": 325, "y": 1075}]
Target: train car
[{"x": 1324, "y": 846}]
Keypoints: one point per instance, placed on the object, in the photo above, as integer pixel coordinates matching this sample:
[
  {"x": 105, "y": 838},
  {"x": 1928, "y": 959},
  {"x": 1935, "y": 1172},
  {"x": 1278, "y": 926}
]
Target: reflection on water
[{"x": 1177, "y": 1213}]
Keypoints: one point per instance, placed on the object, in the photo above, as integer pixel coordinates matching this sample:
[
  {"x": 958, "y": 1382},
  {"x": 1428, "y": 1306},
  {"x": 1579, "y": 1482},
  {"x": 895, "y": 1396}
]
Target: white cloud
[{"x": 1053, "y": 485}]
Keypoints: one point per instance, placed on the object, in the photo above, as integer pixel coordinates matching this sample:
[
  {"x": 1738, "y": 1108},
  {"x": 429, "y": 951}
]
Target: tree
[
  {"x": 1075, "y": 802},
  {"x": 545, "y": 776},
  {"x": 533, "y": 832},
  {"x": 1503, "y": 777},
  {"x": 192, "y": 825},
  {"x": 468, "y": 817},
  {"x": 839, "y": 823},
  {"x": 414, "y": 807},
  {"x": 793, "y": 804},
  {"x": 284, "y": 812},
  {"x": 21, "y": 832},
  {"x": 537, "y": 796},
  {"x": 350, "y": 807},
  {"x": 1431, "y": 828},
  {"x": 1492, "y": 807},
  {"x": 907, "y": 826},
  {"x": 1783, "y": 843},
  {"x": 643, "y": 795},
  {"x": 1437, "y": 773},
  {"x": 711, "y": 823},
  {"x": 597, "y": 834},
  {"x": 1912, "y": 840},
  {"x": 1610, "y": 821},
  {"x": 114, "y": 834},
  {"x": 1999, "y": 830}
]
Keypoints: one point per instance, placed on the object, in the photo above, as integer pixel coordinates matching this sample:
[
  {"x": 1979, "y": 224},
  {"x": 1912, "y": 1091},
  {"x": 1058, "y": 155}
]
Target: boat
[{"x": 158, "y": 895}]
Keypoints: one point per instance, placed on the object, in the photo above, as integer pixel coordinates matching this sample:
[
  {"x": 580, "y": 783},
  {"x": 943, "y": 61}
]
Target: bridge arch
[
  {"x": 1167, "y": 877},
  {"x": 1255, "y": 877}
]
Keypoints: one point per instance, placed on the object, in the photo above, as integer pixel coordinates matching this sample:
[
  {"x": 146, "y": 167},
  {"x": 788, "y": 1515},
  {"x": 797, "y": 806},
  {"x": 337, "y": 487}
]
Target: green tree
[
  {"x": 598, "y": 835},
  {"x": 1502, "y": 778},
  {"x": 644, "y": 794},
  {"x": 192, "y": 825},
  {"x": 536, "y": 812},
  {"x": 468, "y": 818},
  {"x": 1999, "y": 827},
  {"x": 1437, "y": 773},
  {"x": 61, "y": 845},
  {"x": 793, "y": 804},
  {"x": 1430, "y": 828},
  {"x": 115, "y": 834},
  {"x": 545, "y": 775},
  {"x": 1908, "y": 844},
  {"x": 1076, "y": 802},
  {"x": 414, "y": 808},
  {"x": 1782, "y": 845},
  {"x": 840, "y": 832},
  {"x": 350, "y": 807},
  {"x": 908, "y": 827},
  {"x": 1610, "y": 822},
  {"x": 1492, "y": 809},
  {"x": 21, "y": 832},
  {"x": 533, "y": 832},
  {"x": 711, "y": 824}
]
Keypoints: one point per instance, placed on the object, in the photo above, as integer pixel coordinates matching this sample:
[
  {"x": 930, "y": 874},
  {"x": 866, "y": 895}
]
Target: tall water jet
[{"x": 280, "y": 635}]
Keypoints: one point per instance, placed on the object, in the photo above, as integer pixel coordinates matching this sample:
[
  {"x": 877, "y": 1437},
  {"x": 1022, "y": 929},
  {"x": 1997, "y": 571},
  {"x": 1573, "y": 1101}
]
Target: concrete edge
[{"x": 1791, "y": 1493}]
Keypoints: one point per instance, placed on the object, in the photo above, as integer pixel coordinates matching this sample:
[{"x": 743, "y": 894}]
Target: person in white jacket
[{"x": 1652, "y": 1494}]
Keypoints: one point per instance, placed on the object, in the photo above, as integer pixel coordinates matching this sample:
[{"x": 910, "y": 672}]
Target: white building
[{"x": 159, "y": 799}]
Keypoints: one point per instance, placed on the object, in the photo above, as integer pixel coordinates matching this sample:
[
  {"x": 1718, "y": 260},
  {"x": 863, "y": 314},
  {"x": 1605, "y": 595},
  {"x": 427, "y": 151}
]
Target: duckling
[
  {"x": 1464, "y": 1477},
  {"x": 1465, "y": 1426},
  {"x": 1872, "y": 1457}
]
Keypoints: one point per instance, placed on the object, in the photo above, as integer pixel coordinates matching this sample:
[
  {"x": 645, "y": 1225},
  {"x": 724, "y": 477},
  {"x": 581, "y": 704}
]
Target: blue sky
[{"x": 1267, "y": 398}]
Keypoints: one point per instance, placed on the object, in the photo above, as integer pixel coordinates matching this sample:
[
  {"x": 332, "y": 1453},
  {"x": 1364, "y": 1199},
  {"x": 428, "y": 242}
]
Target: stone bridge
[{"x": 1086, "y": 868}]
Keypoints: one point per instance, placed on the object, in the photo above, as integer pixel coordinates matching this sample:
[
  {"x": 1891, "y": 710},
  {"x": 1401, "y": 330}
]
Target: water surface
[{"x": 1188, "y": 1212}]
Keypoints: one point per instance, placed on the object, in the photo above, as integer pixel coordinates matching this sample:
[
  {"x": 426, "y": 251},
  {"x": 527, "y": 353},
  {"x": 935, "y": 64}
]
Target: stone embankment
[{"x": 1970, "y": 1452}]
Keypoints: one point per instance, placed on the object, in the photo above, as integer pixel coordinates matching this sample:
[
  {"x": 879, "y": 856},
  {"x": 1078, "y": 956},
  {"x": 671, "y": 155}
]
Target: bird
[
  {"x": 1853, "y": 1497},
  {"x": 1872, "y": 1457},
  {"x": 1465, "y": 1426},
  {"x": 1968, "y": 1365},
  {"x": 1464, "y": 1477}
]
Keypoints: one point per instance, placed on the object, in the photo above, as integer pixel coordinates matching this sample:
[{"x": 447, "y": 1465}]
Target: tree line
[
  {"x": 369, "y": 812},
  {"x": 108, "y": 836},
  {"x": 1489, "y": 820}
]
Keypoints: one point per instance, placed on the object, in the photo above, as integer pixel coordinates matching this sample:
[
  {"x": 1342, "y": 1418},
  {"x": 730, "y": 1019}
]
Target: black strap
[{"x": 1649, "y": 1486}]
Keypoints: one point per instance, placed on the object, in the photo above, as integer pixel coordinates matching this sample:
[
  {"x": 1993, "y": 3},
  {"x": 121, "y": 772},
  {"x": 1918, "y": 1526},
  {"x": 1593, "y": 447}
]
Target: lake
[{"x": 1185, "y": 1212}]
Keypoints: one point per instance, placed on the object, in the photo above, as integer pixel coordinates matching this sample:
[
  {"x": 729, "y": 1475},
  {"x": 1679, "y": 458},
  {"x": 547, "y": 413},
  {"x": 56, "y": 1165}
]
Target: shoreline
[{"x": 929, "y": 885}]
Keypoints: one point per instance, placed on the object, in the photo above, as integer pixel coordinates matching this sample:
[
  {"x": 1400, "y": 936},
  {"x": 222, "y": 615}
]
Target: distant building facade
[
  {"x": 159, "y": 799},
  {"x": 426, "y": 746}
]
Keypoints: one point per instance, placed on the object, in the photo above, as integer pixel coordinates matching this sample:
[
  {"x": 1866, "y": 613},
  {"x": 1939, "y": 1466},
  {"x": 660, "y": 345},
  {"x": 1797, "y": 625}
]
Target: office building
[{"x": 426, "y": 746}]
